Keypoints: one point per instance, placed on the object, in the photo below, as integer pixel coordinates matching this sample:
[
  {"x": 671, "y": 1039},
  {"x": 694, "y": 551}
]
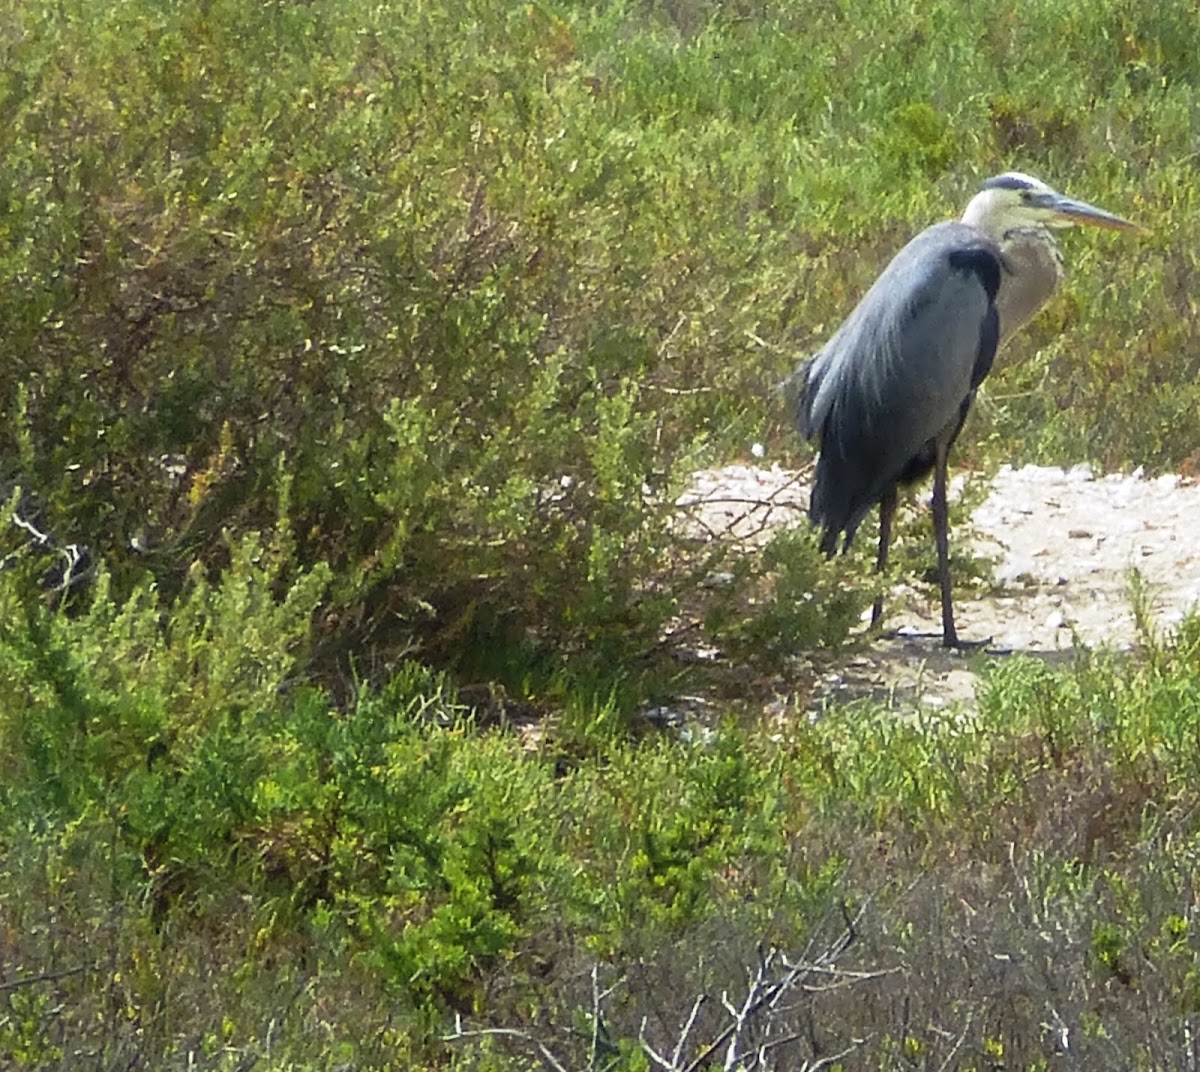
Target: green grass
[
  {"x": 276, "y": 877},
  {"x": 367, "y": 347}
]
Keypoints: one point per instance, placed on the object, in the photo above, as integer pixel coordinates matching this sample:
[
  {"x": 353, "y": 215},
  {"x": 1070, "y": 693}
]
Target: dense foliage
[
  {"x": 367, "y": 347},
  {"x": 465, "y": 289}
]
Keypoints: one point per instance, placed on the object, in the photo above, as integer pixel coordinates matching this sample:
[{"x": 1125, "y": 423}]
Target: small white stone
[{"x": 1015, "y": 569}]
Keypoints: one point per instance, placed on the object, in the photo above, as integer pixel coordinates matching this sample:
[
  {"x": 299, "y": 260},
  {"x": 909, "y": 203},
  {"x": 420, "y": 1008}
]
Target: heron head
[{"x": 1013, "y": 200}]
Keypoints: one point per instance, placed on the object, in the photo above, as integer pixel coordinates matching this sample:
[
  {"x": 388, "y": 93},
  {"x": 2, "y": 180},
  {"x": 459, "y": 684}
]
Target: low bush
[{"x": 367, "y": 348}]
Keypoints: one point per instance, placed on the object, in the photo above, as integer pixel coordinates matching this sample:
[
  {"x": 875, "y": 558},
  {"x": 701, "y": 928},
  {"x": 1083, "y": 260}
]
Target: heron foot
[
  {"x": 953, "y": 642},
  {"x": 956, "y": 643}
]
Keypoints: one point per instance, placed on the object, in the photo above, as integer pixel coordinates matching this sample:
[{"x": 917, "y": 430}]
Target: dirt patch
[{"x": 1064, "y": 541}]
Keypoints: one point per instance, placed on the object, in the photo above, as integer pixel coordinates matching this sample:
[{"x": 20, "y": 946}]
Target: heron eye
[{"x": 1026, "y": 195}]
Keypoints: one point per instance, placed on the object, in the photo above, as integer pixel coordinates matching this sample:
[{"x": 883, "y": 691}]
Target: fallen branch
[
  {"x": 43, "y": 977},
  {"x": 459, "y": 1034}
]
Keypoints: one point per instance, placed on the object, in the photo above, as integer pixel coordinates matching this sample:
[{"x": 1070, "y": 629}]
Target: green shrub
[
  {"x": 786, "y": 599},
  {"x": 449, "y": 299},
  {"x": 466, "y": 291}
]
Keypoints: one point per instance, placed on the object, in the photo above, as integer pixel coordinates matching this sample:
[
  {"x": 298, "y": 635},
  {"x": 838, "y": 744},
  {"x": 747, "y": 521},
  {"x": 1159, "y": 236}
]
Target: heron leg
[
  {"x": 941, "y": 535},
  {"x": 887, "y": 510}
]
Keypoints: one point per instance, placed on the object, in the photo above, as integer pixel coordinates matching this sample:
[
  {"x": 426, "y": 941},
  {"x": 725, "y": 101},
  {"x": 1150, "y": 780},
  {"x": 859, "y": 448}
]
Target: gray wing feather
[{"x": 897, "y": 373}]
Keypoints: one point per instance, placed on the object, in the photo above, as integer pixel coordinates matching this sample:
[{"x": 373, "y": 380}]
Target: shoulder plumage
[{"x": 901, "y": 316}]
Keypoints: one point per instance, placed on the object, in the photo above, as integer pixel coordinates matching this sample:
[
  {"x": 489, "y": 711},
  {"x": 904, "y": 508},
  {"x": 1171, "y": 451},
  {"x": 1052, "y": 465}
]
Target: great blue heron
[{"x": 888, "y": 393}]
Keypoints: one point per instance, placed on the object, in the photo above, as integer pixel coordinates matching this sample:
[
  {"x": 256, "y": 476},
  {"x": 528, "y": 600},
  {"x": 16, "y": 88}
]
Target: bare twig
[
  {"x": 665, "y": 344},
  {"x": 651, "y": 1052},
  {"x": 835, "y": 1058},
  {"x": 42, "y": 539},
  {"x": 753, "y": 1035},
  {"x": 599, "y": 1034},
  {"x": 75, "y": 559},
  {"x": 950, "y": 1062},
  {"x": 543, "y": 1050},
  {"x": 765, "y": 990},
  {"x": 596, "y": 1008},
  {"x": 687, "y": 1030},
  {"x": 43, "y": 977}
]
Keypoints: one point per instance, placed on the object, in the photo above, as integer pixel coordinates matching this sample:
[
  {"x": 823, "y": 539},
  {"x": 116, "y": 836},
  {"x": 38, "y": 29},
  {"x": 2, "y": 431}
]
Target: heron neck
[
  {"x": 1033, "y": 270},
  {"x": 1032, "y": 234}
]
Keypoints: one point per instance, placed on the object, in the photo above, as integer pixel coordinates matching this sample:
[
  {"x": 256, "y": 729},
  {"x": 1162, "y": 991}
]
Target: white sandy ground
[{"x": 1063, "y": 540}]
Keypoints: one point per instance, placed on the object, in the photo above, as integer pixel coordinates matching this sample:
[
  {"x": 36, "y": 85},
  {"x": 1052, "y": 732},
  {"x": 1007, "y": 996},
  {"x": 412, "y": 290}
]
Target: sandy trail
[{"x": 1064, "y": 542}]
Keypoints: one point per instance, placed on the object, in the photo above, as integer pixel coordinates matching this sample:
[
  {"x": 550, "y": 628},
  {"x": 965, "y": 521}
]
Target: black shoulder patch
[
  {"x": 983, "y": 262},
  {"x": 989, "y": 340},
  {"x": 1007, "y": 182}
]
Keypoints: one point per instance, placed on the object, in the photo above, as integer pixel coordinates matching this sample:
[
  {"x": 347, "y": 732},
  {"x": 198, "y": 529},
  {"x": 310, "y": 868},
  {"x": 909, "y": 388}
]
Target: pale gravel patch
[
  {"x": 1078, "y": 536},
  {"x": 1064, "y": 541},
  {"x": 743, "y": 503}
]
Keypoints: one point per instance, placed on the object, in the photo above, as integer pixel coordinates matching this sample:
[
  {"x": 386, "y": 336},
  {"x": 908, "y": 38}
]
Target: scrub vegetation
[{"x": 367, "y": 348}]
